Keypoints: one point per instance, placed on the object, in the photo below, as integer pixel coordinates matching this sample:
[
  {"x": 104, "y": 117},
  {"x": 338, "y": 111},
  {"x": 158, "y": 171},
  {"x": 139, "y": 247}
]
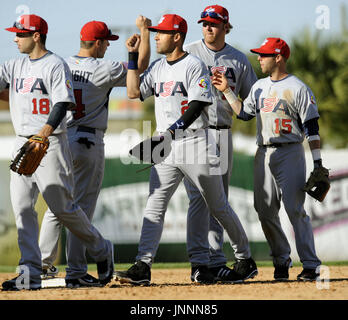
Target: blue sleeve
[
  {"x": 311, "y": 127},
  {"x": 243, "y": 115}
]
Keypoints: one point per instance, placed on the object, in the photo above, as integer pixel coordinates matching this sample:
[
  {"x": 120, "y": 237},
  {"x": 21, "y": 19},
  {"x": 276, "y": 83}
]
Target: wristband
[
  {"x": 230, "y": 96},
  {"x": 316, "y": 154},
  {"x": 133, "y": 60}
]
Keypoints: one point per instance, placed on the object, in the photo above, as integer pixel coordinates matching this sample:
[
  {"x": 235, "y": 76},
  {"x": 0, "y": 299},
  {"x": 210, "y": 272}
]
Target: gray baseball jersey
[
  {"x": 93, "y": 80},
  {"x": 281, "y": 107},
  {"x": 174, "y": 89},
  {"x": 35, "y": 87},
  {"x": 238, "y": 71}
]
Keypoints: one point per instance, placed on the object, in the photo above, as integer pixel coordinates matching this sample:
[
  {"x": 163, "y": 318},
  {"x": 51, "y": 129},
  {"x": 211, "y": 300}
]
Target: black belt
[
  {"x": 277, "y": 145},
  {"x": 86, "y": 129},
  {"x": 219, "y": 127}
]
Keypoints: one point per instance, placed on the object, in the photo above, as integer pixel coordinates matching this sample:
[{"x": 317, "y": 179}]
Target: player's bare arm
[
  {"x": 133, "y": 79},
  {"x": 142, "y": 24},
  {"x": 220, "y": 82}
]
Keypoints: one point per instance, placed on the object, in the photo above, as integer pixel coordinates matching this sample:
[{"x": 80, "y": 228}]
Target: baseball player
[
  {"x": 93, "y": 81},
  {"x": 286, "y": 111},
  {"x": 181, "y": 85},
  {"x": 40, "y": 92},
  {"x": 218, "y": 55}
]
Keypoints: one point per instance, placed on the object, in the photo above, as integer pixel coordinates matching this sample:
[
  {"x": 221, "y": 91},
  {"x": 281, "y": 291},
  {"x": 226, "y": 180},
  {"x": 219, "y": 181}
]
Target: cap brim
[
  {"x": 14, "y": 29},
  {"x": 259, "y": 50},
  {"x": 113, "y": 37},
  {"x": 210, "y": 19},
  {"x": 157, "y": 28}
]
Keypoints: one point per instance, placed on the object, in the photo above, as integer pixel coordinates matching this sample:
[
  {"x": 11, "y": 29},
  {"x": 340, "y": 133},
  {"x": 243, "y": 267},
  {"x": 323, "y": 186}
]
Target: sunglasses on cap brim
[{"x": 213, "y": 15}]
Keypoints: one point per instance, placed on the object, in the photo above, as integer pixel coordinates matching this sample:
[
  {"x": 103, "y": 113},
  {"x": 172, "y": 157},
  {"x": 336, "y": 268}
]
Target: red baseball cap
[
  {"x": 29, "y": 23},
  {"x": 215, "y": 14},
  {"x": 170, "y": 22},
  {"x": 273, "y": 46},
  {"x": 96, "y": 30}
]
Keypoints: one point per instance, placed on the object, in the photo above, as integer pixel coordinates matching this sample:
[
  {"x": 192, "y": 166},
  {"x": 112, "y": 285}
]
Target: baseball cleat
[
  {"x": 245, "y": 268},
  {"x": 106, "y": 268},
  {"x": 49, "y": 272},
  {"x": 225, "y": 274},
  {"x": 308, "y": 275},
  {"x": 281, "y": 271},
  {"x": 85, "y": 281},
  {"x": 202, "y": 275},
  {"x": 139, "y": 274},
  {"x": 16, "y": 284}
]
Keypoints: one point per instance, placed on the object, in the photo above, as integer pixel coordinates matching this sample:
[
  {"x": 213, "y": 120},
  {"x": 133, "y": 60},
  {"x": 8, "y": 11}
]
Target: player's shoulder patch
[
  {"x": 204, "y": 83},
  {"x": 68, "y": 84}
]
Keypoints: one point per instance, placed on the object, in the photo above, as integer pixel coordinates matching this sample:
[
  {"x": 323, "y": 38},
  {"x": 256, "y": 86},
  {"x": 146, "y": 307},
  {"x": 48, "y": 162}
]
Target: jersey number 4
[{"x": 79, "y": 109}]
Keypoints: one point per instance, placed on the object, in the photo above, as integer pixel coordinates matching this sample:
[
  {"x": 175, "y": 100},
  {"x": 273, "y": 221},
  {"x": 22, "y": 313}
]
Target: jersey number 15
[{"x": 283, "y": 125}]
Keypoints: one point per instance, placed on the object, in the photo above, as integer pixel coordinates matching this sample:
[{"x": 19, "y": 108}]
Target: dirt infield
[{"x": 174, "y": 284}]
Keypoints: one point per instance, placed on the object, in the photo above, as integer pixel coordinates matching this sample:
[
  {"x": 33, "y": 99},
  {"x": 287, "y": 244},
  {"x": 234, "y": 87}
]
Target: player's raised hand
[
  {"x": 133, "y": 43},
  {"x": 142, "y": 22},
  {"x": 219, "y": 80}
]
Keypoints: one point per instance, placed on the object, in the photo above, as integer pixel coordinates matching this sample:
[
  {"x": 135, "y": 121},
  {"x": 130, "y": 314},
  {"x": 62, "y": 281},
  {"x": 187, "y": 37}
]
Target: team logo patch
[
  {"x": 220, "y": 69},
  {"x": 68, "y": 84},
  {"x": 204, "y": 84}
]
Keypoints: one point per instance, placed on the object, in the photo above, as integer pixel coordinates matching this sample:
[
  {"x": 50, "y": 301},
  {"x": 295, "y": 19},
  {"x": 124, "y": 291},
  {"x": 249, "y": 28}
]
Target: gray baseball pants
[
  {"x": 280, "y": 174},
  {"x": 53, "y": 179}
]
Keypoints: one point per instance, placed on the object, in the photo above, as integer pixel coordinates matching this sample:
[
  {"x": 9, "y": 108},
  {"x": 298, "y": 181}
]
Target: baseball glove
[
  {"x": 28, "y": 158},
  {"x": 318, "y": 183},
  {"x": 153, "y": 150}
]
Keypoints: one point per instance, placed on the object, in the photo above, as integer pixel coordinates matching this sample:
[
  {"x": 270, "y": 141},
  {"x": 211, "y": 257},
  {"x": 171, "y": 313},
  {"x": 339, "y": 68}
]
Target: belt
[
  {"x": 85, "y": 129},
  {"x": 219, "y": 127},
  {"x": 277, "y": 145}
]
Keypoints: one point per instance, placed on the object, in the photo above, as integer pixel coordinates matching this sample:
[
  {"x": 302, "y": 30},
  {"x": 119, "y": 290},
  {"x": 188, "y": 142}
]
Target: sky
[{"x": 252, "y": 21}]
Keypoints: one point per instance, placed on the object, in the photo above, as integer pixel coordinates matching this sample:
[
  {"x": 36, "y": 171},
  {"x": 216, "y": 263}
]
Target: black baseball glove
[
  {"x": 153, "y": 150},
  {"x": 318, "y": 183}
]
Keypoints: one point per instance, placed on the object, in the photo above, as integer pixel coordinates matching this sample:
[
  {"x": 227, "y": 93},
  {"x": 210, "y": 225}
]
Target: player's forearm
[
  {"x": 133, "y": 84},
  {"x": 46, "y": 131},
  {"x": 57, "y": 114},
  {"x": 233, "y": 101},
  {"x": 133, "y": 79},
  {"x": 191, "y": 114},
  {"x": 144, "y": 50},
  {"x": 311, "y": 129}
]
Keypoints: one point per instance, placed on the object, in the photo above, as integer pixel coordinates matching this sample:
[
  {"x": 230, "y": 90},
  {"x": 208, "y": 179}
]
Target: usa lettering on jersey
[
  {"x": 274, "y": 104},
  {"x": 29, "y": 85},
  {"x": 169, "y": 88}
]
